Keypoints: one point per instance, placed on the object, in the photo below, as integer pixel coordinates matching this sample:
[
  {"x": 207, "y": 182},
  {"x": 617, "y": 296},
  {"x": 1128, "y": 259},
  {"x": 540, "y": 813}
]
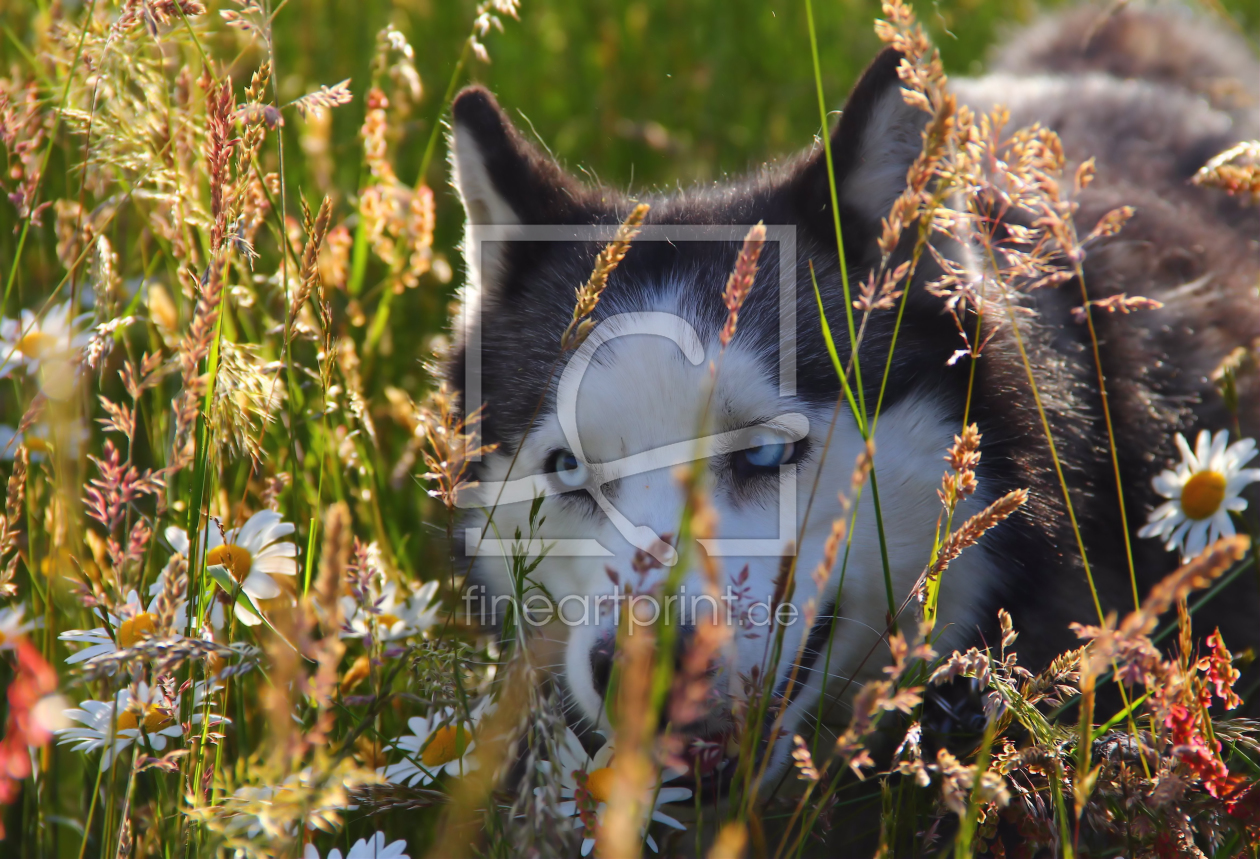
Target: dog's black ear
[
  {"x": 503, "y": 181},
  {"x": 873, "y": 145}
]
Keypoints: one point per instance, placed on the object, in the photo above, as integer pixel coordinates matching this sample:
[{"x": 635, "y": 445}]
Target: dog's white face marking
[{"x": 642, "y": 393}]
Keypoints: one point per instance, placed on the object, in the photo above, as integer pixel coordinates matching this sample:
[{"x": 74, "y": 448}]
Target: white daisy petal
[
  {"x": 1179, "y": 534},
  {"x": 672, "y": 794},
  {"x": 245, "y": 616},
  {"x": 1219, "y": 442},
  {"x": 261, "y": 586},
  {"x": 256, "y": 524},
  {"x": 178, "y": 540},
  {"x": 275, "y": 566},
  {"x": 1196, "y": 538},
  {"x": 1167, "y": 484},
  {"x": 1240, "y": 453},
  {"x": 1187, "y": 456},
  {"x": 1202, "y": 447},
  {"x": 277, "y": 550},
  {"x": 667, "y": 820}
]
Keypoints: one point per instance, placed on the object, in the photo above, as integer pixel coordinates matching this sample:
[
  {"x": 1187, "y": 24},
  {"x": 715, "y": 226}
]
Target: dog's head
[{"x": 598, "y": 433}]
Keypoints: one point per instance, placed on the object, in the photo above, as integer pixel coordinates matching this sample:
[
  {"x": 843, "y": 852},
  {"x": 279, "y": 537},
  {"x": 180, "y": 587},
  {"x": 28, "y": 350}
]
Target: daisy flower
[
  {"x": 438, "y": 744},
  {"x": 364, "y": 848},
  {"x": 12, "y": 627},
  {"x": 385, "y": 617},
  {"x": 587, "y": 781},
  {"x": 1203, "y": 490},
  {"x": 30, "y": 341},
  {"x": 133, "y": 623},
  {"x": 252, "y": 554},
  {"x": 101, "y": 719},
  {"x": 158, "y": 715}
]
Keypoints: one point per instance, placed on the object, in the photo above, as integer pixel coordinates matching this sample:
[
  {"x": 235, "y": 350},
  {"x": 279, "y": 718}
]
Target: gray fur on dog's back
[{"x": 1151, "y": 95}]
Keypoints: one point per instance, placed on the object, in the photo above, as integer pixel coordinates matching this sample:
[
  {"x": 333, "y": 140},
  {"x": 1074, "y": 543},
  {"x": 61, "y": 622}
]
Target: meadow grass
[{"x": 230, "y": 469}]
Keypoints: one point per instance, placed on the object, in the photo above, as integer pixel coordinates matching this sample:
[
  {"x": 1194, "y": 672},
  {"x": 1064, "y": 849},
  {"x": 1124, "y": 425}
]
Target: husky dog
[{"x": 1150, "y": 95}]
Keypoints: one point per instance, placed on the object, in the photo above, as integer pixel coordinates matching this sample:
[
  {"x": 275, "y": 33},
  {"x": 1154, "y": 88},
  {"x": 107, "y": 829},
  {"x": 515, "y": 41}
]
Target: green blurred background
[{"x": 639, "y": 93}]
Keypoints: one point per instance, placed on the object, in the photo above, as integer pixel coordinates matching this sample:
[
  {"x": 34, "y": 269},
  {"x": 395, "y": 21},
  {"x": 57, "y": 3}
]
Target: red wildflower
[
  {"x": 1221, "y": 673},
  {"x": 35, "y": 679},
  {"x": 1191, "y": 748}
]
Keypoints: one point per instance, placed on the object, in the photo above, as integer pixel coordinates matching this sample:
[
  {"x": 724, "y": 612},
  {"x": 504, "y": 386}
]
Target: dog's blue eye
[
  {"x": 770, "y": 451},
  {"x": 567, "y": 468}
]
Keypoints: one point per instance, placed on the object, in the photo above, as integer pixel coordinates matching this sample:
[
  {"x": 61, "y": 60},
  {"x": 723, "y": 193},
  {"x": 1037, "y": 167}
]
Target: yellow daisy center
[
  {"x": 599, "y": 784},
  {"x": 388, "y": 620},
  {"x": 35, "y": 444},
  {"x": 443, "y": 747},
  {"x": 234, "y": 558},
  {"x": 136, "y": 628},
  {"x": 1202, "y": 495},
  {"x": 155, "y": 720},
  {"x": 36, "y": 344}
]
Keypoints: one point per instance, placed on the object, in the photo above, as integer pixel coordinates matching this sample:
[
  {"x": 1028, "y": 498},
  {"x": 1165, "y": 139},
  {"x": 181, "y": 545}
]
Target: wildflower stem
[
  {"x": 1054, "y": 454},
  {"x": 1111, "y": 435},
  {"x": 431, "y": 146},
  {"x": 126, "y": 807},
  {"x": 294, "y": 397},
  {"x": 967, "y": 825},
  {"x": 87, "y": 824},
  {"x": 319, "y": 495},
  {"x": 1060, "y": 808},
  {"x": 848, "y": 302}
]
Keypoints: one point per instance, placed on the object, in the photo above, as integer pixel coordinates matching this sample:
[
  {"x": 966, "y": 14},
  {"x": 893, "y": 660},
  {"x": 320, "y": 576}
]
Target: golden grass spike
[
  {"x": 1234, "y": 171},
  {"x": 740, "y": 282},
  {"x": 589, "y": 293},
  {"x": 975, "y": 527},
  {"x": 332, "y": 563},
  {"x": 309, "y": 275}
]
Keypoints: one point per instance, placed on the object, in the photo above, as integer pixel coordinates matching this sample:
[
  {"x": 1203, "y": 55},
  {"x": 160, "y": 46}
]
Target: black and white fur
[{"x": 1151, "y": 125}]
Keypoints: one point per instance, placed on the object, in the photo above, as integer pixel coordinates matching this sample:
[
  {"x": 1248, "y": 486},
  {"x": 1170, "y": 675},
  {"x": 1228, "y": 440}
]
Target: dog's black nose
[
  {"x": 682, "y": 645},
  {"x": 953, "y": 716},
  {"x": 605, "y": 649},
  {"x": 602, "y": 662}
]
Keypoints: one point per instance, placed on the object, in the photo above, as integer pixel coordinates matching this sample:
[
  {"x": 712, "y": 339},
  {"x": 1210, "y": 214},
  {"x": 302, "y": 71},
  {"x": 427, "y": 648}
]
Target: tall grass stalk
[{"x": 859, "y": 417}]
